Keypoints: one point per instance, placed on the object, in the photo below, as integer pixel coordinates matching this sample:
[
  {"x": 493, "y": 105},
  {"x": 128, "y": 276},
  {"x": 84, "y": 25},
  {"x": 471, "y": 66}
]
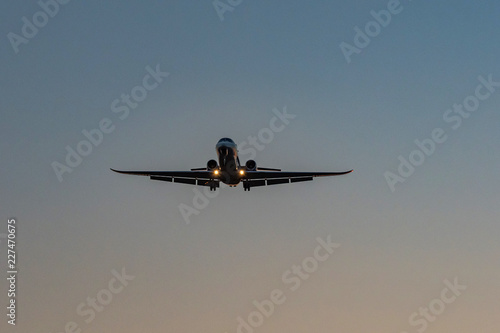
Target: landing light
[
  {"x": 242, "y": 172},
  {"x": 216, "y": 172}
]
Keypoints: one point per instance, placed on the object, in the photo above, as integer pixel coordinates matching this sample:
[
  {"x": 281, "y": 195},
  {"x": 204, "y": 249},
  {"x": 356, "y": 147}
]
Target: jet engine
[
  {"x": 251, "y": 165},
  {"x": 211, "y": 165}
]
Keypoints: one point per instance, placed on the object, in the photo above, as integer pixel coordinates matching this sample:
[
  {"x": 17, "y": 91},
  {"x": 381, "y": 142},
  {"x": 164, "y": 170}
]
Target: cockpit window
[{"x": 226, "y": 140}]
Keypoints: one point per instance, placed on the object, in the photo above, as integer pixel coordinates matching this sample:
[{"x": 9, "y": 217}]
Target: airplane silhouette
[{"x": 230, "y": 172}]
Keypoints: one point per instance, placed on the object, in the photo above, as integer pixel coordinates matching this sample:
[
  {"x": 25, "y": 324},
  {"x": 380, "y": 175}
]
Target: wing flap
[
  {"x": 165, "y": 179},
  {"x": 300, "y": 179},
  {"x": 255, "y": 183},
  {"x": 200, "y": 182},
  {"x": 204, "y": 182},
  {"x": 185, "y": 181},
  {"x": 278, "y": 181}
]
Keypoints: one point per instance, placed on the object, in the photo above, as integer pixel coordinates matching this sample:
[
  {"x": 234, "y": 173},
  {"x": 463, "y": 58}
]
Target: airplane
[{"x": 231, "y": 172}]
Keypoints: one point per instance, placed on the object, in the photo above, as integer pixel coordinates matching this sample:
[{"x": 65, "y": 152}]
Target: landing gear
[
  {"x": 213, "y": 185},
  {"x": 246, "y": 186}
]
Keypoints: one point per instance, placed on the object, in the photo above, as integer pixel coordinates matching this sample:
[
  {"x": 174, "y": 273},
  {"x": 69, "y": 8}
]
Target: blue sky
[{"x": 225, "y": 78}]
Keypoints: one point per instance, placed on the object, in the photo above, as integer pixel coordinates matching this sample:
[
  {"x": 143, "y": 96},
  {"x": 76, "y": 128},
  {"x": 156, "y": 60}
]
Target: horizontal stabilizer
[{"x": 267, "y": 169}]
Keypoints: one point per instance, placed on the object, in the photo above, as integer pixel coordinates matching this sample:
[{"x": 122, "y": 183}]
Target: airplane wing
[
  {"x": 286, "y": 174},
  {"x": 184, "y": 174},
  {"x": 201, "y": 178},
  {"x": 263, "y": 178},
  {"x": 250, "y": 179}
]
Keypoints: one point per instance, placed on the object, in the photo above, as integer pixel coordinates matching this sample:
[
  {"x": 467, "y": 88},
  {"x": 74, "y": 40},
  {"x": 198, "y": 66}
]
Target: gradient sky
[{"x": 225, "y": 79}]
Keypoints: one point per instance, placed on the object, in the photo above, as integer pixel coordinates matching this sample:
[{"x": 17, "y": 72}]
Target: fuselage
[{"x": 229, "y": 163}]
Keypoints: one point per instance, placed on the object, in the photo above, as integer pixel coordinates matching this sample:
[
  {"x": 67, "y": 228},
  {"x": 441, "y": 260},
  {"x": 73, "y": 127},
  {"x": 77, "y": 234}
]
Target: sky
[{"x": 406, "y": 93}]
